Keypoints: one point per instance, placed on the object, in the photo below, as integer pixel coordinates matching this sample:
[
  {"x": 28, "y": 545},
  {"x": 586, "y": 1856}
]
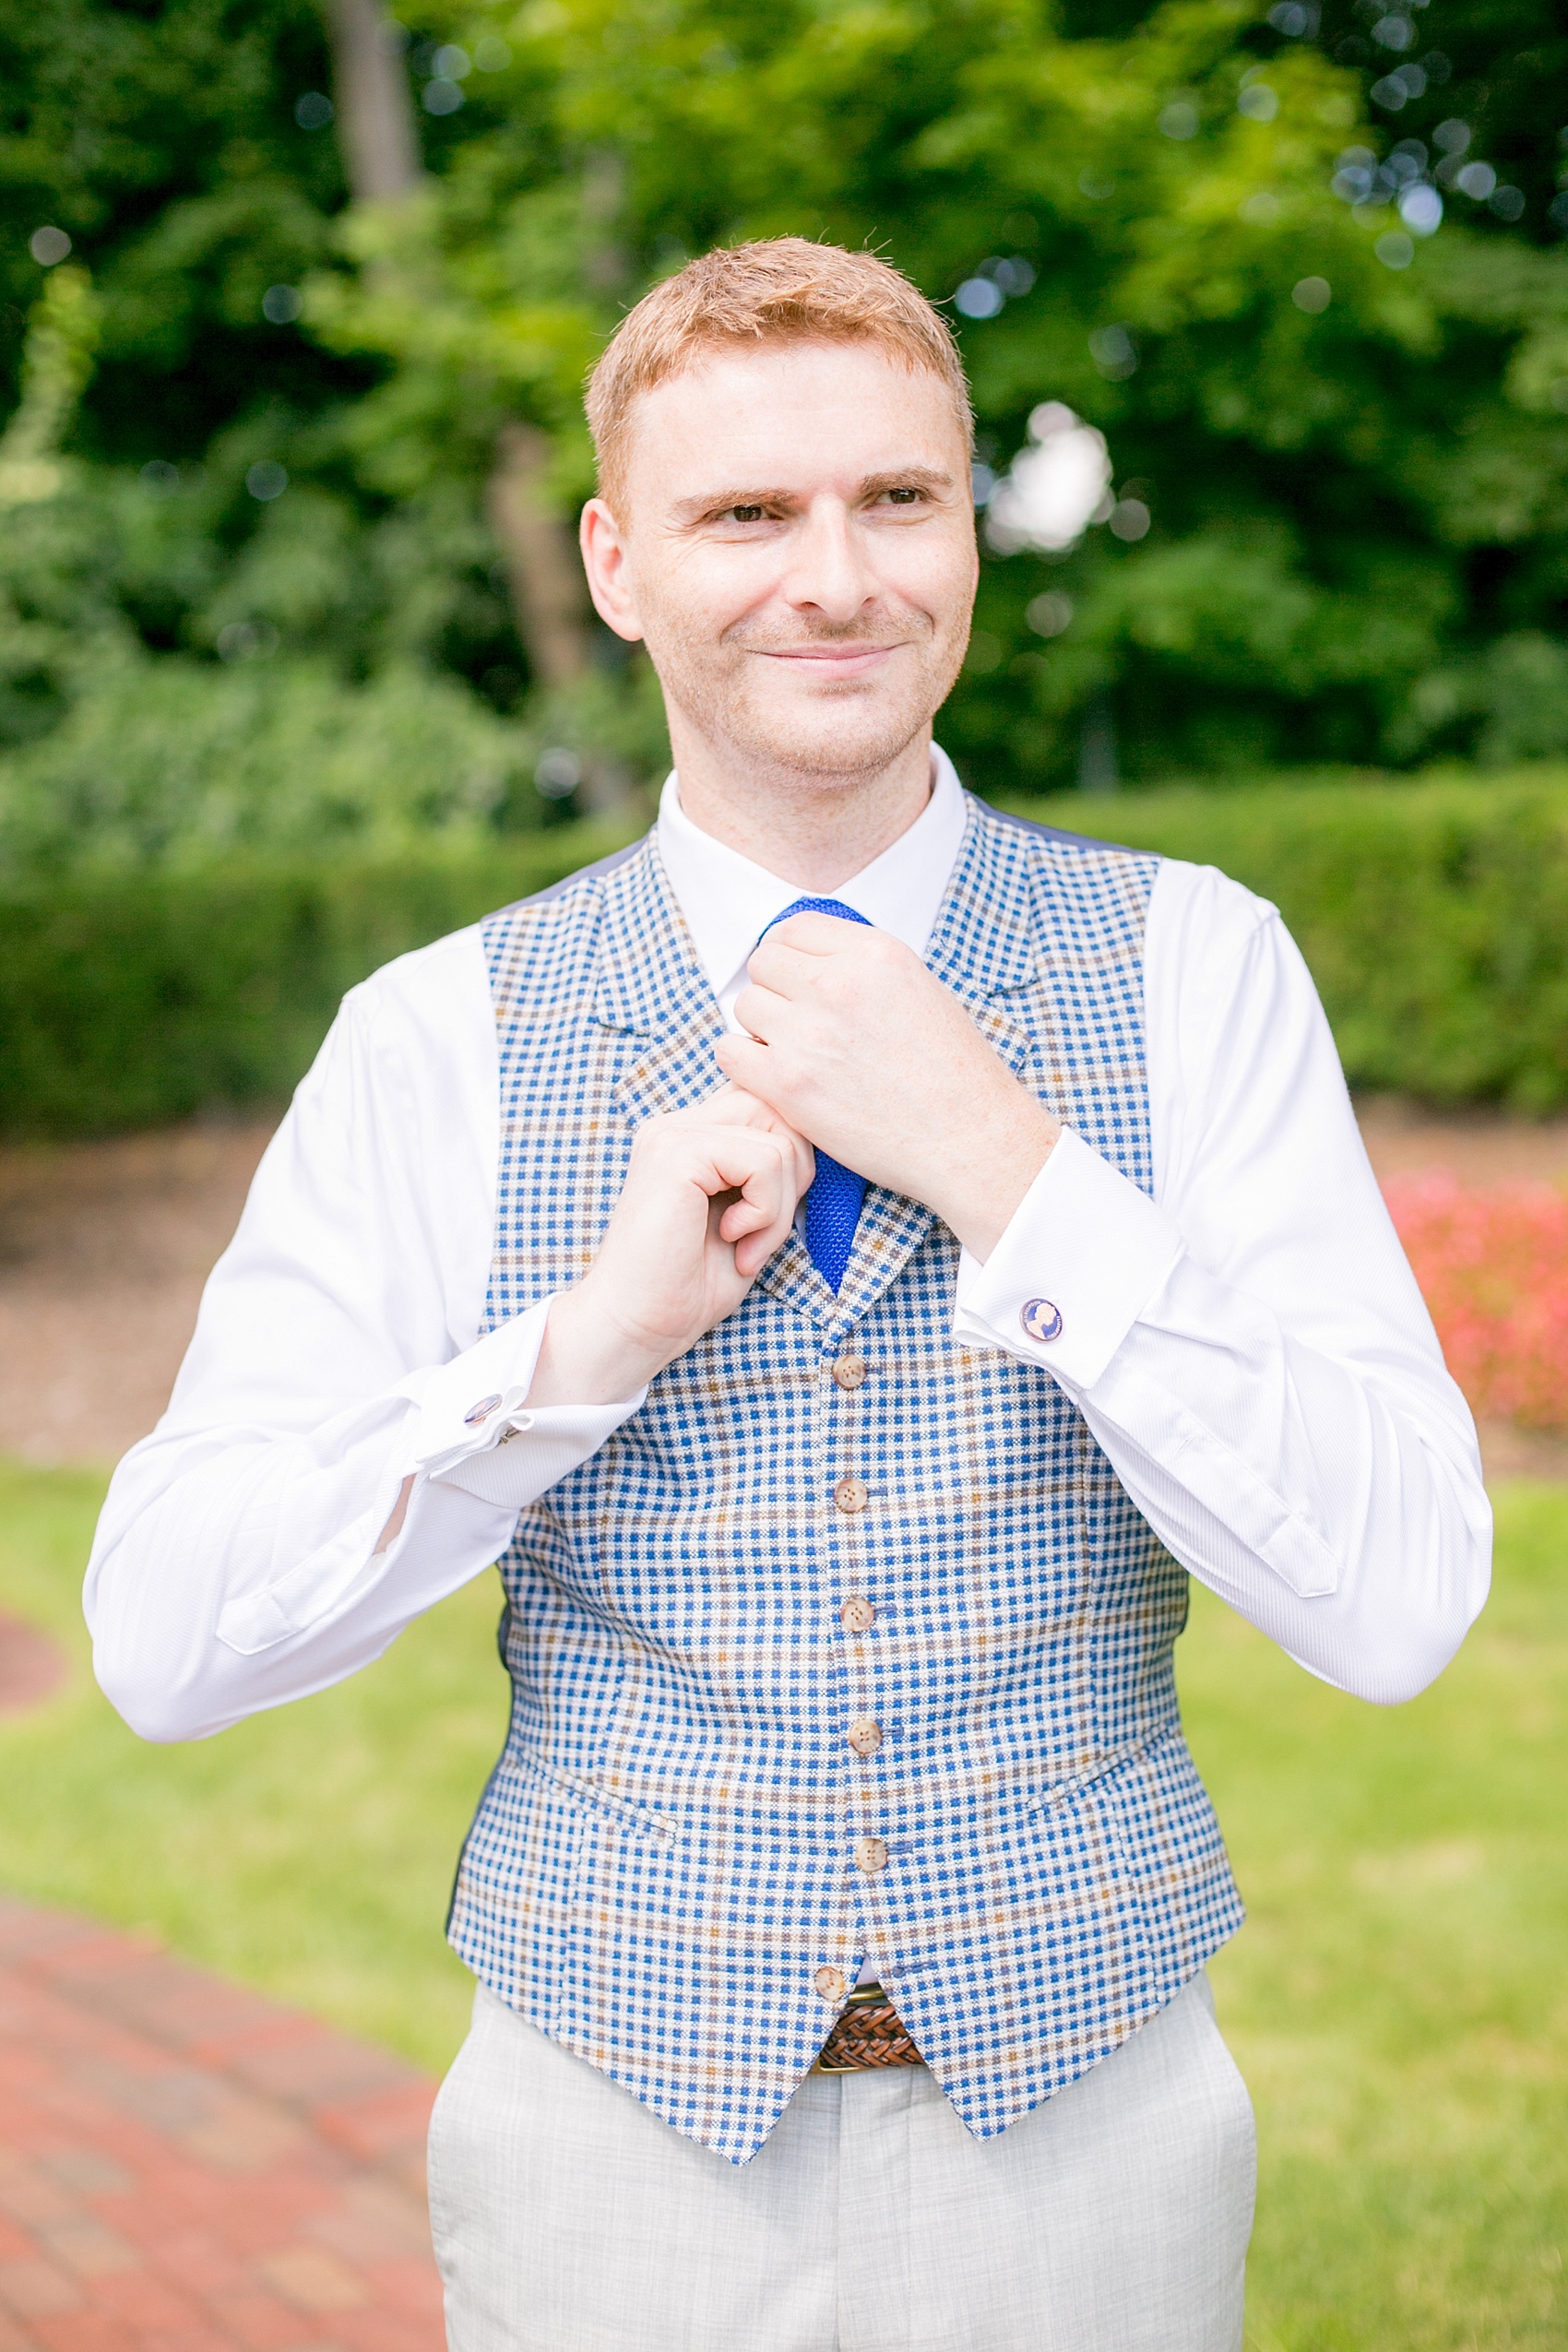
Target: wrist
[
  {"x": 999, "y": 1165},
  {"x": 586, "y": 1357}
]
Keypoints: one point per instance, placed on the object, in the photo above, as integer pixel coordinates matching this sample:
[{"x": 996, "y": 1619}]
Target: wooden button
[
  {"x": 872, "y": 1855},
  {"x": 865, "y": 1737},
  {"x": 857, "y": 1614},
  {"x": 849, "y": 1371},
  {"x": 850, "y": 1495},
  {"x": 830, "y": 1983}
]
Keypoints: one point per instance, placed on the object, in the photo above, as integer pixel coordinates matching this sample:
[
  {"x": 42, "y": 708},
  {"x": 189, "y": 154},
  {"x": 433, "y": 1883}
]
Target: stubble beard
[{"x": 840, "y": 736}]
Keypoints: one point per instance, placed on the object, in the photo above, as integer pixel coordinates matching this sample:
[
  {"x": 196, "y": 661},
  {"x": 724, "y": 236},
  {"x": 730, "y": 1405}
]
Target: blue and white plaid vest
[{"x": 663, "y": 1860}]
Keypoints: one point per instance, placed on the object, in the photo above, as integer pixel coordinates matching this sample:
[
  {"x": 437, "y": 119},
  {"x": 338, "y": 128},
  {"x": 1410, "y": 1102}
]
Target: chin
[{"x": 827, "y": 743}]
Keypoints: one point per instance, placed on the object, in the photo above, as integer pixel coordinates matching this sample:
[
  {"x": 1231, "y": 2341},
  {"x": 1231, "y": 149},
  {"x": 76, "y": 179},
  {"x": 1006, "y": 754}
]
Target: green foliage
[
  {"x": 172, "y": 762},
  {"x": 56, "y": 363},
  {"x": 1356, "y": 548},
  {"x": 1394, "y": 1999},
  {"x": 128, "y": 999},
  {"x": 154, "y": 566},
  {"x": 162, "y": 141},
  {"x": 1434, "y": 917}
]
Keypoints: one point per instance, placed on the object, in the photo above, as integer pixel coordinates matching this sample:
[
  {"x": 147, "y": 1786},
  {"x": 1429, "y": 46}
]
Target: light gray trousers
[{"x": 1113, "y": 2218}]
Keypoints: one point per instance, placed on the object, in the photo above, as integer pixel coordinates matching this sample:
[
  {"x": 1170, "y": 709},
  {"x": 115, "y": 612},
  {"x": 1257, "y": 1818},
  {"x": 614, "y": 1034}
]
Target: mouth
[{"x": 833, "y": 662}]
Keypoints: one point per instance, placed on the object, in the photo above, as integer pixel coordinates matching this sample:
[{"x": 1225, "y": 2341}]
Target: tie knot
[{"x": 818, "y": 906}]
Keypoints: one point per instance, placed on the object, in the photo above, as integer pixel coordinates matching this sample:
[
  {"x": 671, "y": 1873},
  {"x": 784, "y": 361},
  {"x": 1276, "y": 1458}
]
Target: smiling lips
[{"x": 843, "y": 660}]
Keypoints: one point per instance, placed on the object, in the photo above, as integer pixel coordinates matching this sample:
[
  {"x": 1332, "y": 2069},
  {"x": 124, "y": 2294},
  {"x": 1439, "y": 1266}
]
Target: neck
[{"x": 817, "y": 831}]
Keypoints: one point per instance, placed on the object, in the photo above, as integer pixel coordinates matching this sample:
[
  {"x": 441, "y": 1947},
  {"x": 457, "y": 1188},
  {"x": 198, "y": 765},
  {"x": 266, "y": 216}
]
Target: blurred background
[{"x": 1266, "y": 318}]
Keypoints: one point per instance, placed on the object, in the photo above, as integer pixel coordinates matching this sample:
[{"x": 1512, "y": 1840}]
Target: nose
[{"x": 827, "y": 571}]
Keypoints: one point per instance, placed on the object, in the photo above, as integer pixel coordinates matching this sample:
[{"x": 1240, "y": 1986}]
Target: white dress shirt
[{"x": 1249, "y": 1345}]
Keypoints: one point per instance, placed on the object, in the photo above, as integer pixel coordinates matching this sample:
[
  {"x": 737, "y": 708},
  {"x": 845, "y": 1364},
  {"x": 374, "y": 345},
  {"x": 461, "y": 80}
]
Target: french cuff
[
  {"x": 538, "y": 1448},
  {"x": 1084, "y": 1254},
  {"x": 469, "y": 1405}
]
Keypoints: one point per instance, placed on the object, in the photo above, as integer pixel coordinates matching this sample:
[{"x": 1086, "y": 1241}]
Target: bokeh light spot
[
  {"x": 1113, "y": 352},
  {"x": 979, "y": 298},
  {"x": 558, "y": 774},
  {"x": 1420, "y": 208},
  {"x": 1049, "y": 615}
]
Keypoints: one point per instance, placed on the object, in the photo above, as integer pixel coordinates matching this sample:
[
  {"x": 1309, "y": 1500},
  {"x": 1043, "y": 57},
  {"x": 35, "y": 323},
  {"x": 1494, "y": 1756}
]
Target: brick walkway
[{"x": 186, "y": 2167}]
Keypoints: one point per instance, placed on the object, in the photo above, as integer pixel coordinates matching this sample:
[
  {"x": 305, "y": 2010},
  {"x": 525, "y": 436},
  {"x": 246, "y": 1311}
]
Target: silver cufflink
[
  {"x": 481, "y": 1411},
  {"x": 1042, "y": 1319}
]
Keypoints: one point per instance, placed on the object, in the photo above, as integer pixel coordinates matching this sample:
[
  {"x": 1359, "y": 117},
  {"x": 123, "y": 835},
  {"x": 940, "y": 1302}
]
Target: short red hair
[{"x": 780, "y": 290}]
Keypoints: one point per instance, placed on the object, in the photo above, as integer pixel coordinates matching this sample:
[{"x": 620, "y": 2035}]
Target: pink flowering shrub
[{"x": 1493, "y": 1266}]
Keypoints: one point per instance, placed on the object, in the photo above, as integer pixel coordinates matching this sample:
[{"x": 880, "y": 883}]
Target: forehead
[{"x": 789, "y": 416}]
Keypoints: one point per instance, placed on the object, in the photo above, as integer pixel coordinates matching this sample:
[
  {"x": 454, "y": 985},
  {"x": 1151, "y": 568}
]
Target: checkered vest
[{"x": 666, "y": 1873}]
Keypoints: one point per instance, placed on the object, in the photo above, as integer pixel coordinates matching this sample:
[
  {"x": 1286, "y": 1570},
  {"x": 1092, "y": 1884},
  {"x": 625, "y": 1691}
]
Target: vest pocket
[{"x": 591, "y": 1799}]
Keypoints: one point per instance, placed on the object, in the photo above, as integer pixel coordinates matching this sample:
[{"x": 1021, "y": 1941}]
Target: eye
[
  {"x": 746, "y": 514},
  {"x": 905, "y": 495}
]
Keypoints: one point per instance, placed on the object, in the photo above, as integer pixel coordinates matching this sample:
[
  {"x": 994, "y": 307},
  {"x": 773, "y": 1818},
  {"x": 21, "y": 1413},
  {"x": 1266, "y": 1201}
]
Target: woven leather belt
[{"x": 869, "y": 2032}]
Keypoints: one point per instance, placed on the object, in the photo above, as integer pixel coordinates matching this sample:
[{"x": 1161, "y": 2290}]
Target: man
[{"x": 848, "y": 1256}]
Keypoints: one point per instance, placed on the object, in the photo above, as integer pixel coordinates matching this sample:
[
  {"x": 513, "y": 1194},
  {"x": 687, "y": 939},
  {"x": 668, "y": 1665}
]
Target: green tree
[
  {"x": 1335, "y": 432},
  {"x": 1333, "y": 529}
]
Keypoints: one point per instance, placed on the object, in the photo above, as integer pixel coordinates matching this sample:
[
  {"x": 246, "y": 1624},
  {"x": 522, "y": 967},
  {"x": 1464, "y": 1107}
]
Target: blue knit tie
[{"x": 832, "y": 1200}]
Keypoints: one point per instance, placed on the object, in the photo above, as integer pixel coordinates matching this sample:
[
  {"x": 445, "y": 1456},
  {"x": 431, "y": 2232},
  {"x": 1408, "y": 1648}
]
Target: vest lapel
[{"x": 652, "y": 989}]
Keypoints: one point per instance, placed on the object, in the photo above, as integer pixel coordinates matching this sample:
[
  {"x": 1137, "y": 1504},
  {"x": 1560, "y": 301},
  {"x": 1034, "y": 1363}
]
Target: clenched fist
[
  {"x": 858, "y": 1045},
  {"x": 709, "y": 1195}
]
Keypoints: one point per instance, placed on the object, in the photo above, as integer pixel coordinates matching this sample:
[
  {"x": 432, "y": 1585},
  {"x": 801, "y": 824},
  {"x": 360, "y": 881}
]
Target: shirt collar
[{"x": 729, "y": 901}]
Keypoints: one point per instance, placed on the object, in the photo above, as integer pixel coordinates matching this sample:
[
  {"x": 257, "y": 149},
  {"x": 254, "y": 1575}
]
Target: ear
[{"x": 604, "y": 561}]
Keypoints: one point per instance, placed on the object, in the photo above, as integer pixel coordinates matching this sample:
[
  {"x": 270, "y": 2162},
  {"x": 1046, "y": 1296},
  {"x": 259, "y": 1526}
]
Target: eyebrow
[{"x": 693, "y": 510}]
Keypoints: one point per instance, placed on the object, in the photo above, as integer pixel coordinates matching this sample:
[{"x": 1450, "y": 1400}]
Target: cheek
[
  {"x": 938, "y": 576},
  {"x": 697, "y": 601}
]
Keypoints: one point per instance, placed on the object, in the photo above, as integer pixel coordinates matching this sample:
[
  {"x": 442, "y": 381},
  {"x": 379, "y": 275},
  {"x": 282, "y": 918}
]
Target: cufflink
[
  {"x": 1042, "y": 1319},
  {"x": 481, "y": 1411}
]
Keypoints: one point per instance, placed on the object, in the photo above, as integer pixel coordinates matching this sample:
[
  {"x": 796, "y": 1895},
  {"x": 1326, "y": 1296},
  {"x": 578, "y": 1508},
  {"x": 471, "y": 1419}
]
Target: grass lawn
[{"x": 1398, "y": 2000}]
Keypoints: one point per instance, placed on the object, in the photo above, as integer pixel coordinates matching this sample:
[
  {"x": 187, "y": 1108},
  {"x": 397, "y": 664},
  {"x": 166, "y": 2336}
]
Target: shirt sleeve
[
  {"x": 1250, "y": 1348},
  {"x": 335, "y": 1381}
]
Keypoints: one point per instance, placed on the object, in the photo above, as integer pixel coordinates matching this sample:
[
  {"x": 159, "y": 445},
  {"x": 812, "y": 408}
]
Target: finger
[
  {"x": 762, "y": 1202},
  {"x": 727, "y": 1106},
  {"x": 784, "y": 965},
  {"x": 760, "y": 1010},
  {"x": 747, "y": 1160},
  {"x": 748, "y": 1062},
  {"x": 756, "y": 1249},
  {"x": 814, "y": 934}
]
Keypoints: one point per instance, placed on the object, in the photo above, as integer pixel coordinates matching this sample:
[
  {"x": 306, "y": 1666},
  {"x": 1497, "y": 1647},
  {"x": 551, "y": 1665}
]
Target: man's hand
[
  {"x": 709, "y": 1195},
  {"x": 855, "y": 1043}
]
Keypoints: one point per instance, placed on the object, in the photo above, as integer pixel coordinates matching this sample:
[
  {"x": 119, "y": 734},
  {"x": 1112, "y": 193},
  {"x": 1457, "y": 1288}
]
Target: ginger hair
[{"x": 780, "y": 290}]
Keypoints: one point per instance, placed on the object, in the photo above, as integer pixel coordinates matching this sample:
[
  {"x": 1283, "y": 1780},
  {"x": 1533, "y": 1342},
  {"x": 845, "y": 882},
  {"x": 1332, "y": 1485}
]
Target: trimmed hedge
[
  {"x": 131, "y": 1000},
  {"x": 1434, "y": 917}
]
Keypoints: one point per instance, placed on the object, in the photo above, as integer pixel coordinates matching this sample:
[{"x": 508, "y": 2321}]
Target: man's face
[{"x": 796, "y": 546}]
